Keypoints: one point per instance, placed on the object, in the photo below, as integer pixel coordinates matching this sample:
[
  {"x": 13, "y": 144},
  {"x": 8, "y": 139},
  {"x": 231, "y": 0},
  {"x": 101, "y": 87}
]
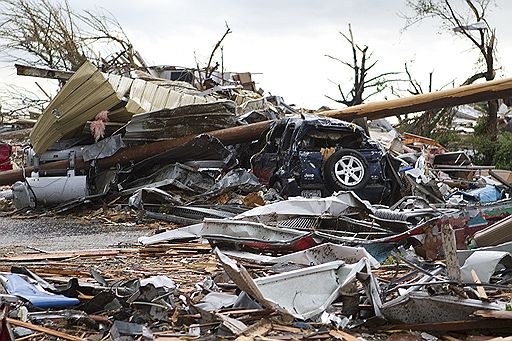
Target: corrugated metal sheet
[
  {"x": 495, "y": 234},
  {"x": 89, "y": 92},
  {"x": 85, "y": 94}
]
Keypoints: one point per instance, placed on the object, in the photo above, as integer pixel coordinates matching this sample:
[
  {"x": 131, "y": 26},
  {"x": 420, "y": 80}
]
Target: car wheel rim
[{"x": 349, "y": 170}]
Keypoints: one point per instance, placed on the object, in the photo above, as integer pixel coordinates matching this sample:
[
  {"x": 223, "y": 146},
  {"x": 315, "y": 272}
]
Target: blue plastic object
[
  {"x": 403, "y": 169},
  {"x": 483, "y": 195},
  {"x": 17, "y": 285}
]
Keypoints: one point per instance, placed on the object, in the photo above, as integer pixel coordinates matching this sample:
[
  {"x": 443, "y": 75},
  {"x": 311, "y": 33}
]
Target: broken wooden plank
[
  {"x": 450, "y": 253},
  {"x": 479, "y": 289},
  {"x": 341, "y": 335},
  {"x": 31, "y": 336},
  {"x": 497, "y": 314},
  {"x": 44, "y": 330},
  {"x": 412, "y": 138},
  {"x": 259, "y": 329},
  {"x": 65, "y": 254},
  {"x": 26, "y": 70}
]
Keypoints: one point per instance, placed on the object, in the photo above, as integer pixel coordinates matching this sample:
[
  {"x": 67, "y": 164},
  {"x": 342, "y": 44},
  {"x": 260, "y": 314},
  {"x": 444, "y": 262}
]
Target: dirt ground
[{"x": 52, "y": 234}]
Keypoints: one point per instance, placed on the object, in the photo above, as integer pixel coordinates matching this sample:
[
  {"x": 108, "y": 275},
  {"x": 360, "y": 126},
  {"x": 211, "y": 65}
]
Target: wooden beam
[
  {"x": 44, "y": 330},
  {"x": 450, "y": 253},
  {"x": 473, "y": 93},
  {"x": 26, "y": 70},
  {"x": 65, "y": 254}
]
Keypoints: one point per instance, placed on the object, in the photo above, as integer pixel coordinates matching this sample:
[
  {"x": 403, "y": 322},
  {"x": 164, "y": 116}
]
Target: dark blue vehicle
[{"x": 312, "y": 156}]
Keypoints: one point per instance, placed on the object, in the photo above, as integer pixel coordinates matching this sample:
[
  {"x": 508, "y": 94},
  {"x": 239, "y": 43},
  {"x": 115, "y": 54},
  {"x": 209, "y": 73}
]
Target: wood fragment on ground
[{"x": 44, "y": 330}]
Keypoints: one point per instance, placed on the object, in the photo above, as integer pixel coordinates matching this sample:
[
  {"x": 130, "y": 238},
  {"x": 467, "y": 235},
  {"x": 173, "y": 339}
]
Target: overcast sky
[{"x": 285, "y": 41}]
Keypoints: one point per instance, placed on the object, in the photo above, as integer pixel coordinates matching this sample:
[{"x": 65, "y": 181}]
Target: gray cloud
[{"x": 286, "y": 40}]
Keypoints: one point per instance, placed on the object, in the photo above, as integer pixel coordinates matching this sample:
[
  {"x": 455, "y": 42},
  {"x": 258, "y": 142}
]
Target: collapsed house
[{"x": 305, "y": 218}]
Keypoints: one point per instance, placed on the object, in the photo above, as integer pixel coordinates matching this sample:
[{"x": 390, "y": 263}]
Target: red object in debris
[
  {"x": 5, "y": 157},
  {"x": 5, "y": 332},
  {"x": 299, "y": 244}
]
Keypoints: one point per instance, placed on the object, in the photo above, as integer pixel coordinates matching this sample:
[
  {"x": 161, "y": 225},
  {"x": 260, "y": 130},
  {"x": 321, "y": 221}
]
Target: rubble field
[{"x": 174, "y": 204}]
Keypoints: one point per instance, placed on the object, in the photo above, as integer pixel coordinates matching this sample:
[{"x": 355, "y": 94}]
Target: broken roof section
[
  {"x": 86, "y": 93},
  {"x": 291, "y": 292},
  {"x": 339, "y": 204},
  {"x": 89, "y": 92}
]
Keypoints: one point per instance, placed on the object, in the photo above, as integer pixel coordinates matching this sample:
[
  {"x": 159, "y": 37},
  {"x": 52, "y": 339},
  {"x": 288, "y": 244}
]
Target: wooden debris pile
[{"x": 112, "y": 281}]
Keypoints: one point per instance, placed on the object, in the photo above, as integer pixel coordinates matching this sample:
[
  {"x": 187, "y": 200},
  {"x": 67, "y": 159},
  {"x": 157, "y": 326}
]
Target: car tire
[{"x": 346, "y": 170}]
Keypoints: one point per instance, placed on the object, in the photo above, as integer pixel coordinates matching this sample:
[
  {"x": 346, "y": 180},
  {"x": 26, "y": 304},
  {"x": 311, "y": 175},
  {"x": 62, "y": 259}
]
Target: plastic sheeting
[{"x": 487, "y": 194}]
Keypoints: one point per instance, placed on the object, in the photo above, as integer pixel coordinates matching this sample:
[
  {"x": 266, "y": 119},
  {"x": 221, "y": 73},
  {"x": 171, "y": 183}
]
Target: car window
[
  {"x": 323, "y": 138},
  {"x": 273, "y": 139},
  {"x": 287, "y": 137}
]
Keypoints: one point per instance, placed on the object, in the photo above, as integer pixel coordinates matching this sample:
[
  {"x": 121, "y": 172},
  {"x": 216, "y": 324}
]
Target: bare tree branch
[
  {"x": 17, "y": 101},
  {"x": 360, "y": 65},
  {"x": 209, "y": 70},
  {"x": 459, "y": 20},
  {"x": 474, "y": 78},
  {"x": 52, "y": 34}
]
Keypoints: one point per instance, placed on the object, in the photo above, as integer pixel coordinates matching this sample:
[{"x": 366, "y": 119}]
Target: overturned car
[{"x": 311, "y": 156}]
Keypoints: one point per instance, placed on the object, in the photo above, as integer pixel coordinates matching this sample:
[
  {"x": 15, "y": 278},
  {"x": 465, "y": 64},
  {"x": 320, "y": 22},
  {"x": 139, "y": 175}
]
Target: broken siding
[
  {"x": 89, "y": 92},
  {"x": 85, "y": 94}
]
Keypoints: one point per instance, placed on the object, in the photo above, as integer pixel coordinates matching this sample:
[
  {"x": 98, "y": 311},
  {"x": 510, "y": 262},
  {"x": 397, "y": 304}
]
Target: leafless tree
[
  {"x": 470, "y": 22},
  {"x": 432, "y": 122},
  {"x": 50, "y": 33},
  {"x": 16, "y": 101},
  {"x": 363, "y": 85},
  {"x": 204, "y": 74},
  {"x": 414, "y": 86},
  {"x": 209, "y": 67}
]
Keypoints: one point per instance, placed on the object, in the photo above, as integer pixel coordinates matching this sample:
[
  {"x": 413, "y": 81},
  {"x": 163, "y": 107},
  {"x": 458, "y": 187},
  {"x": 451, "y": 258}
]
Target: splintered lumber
[
  {"x": 44, "y": 330},
  {"x": 479, "y": 289},
  {"x": 473, "y": 93},
  {"x": 259, "y": 329},
  {"x": 156, "y": 250},
  {"x": 450, "y": 253},
  {"x": 411, "y": 138},
  {"x": 64, "y": 255},
  {"x": 341, "y": 335}
]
